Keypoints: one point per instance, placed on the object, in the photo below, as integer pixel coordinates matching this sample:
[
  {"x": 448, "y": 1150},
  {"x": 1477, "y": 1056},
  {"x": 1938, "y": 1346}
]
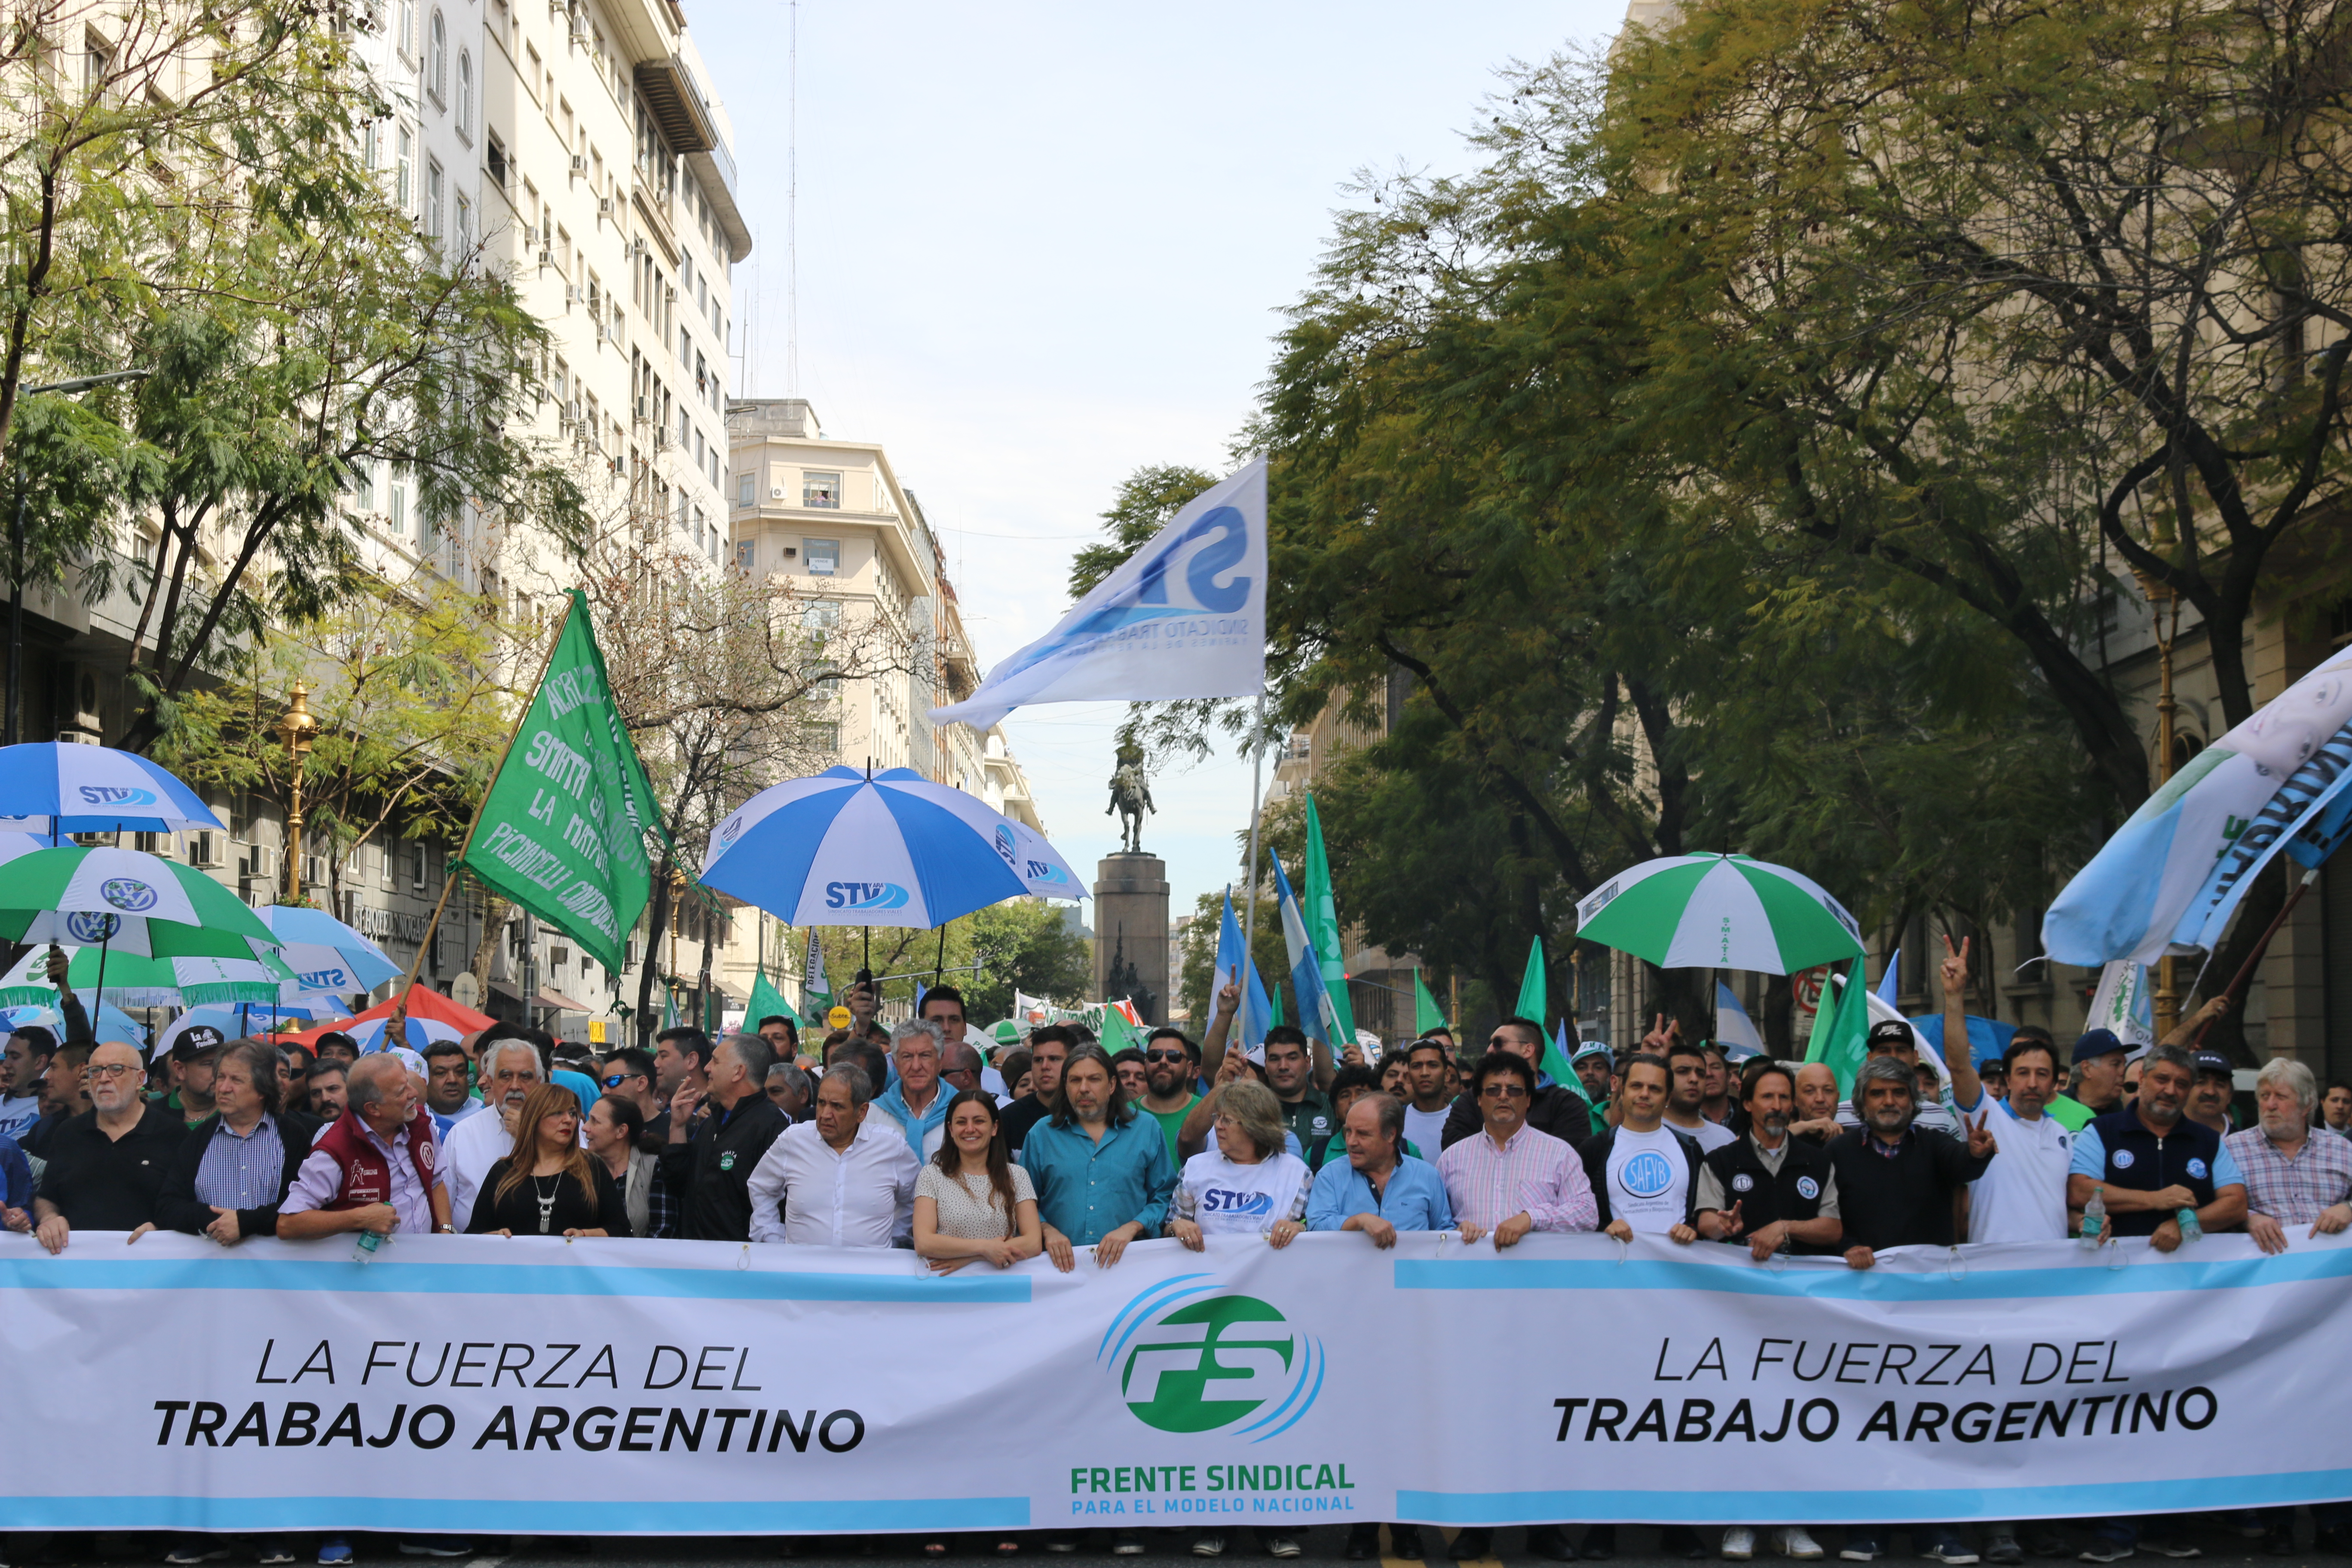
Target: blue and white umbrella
[
  {"x": 325, "y": 954},
  {"x": 894, "y": 850},
  {"x": 110, "y": 1021},
  {"x": 56, "y": 788}
]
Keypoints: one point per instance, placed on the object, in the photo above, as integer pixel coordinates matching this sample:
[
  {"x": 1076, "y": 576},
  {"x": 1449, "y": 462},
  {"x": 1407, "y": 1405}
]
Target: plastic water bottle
[
  {"x": 2189, "y": 1229},
  {"x": 365, "y": 1251},
  {"x": 2095, "y": 1220}
]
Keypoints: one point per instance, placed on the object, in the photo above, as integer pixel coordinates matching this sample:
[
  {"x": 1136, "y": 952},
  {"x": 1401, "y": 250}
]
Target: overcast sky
[{"x": 1043, "y": 245}]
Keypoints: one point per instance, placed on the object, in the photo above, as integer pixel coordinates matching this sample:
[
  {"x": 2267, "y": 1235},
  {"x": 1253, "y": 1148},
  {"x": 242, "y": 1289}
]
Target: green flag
[
  {"x": 1321, "y": 914},
  {"x": 767, "y": 1002},
  {"x": 1274, "y": 1007},
  {"x": 812, "y": 980},
  {"x": 1116, "y": 1033},
  {"x": 1425, "y": 1013},
  {"x": 561, "y": 831},
  {"x": 1531, "y": 988},
  {"x": 1840, "y": 1033}
]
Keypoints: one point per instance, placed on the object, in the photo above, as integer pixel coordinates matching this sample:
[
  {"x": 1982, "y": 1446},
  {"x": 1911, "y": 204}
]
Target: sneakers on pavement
[
  {"x": 1793, "y": 1542},
  {"x": 1739, "y": 1543}
]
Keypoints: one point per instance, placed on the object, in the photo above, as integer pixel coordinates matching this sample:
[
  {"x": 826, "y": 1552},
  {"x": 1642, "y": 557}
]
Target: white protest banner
[{"x": 480, "y": 1385}]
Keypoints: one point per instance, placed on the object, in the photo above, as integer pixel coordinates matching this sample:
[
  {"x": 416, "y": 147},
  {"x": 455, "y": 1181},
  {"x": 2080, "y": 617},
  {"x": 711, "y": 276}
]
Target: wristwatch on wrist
[{"x": 446, "y": 1230}]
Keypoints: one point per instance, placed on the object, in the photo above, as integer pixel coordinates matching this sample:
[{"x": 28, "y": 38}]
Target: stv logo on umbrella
[
  {"x": 866, "y": 896},
  {"x": 116, "y": 794}
]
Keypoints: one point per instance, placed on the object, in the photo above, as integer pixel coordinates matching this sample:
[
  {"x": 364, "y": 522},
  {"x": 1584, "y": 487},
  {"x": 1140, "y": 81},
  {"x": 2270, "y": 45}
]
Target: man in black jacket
[
  {"x": 711, "y": 1176},
  {"x": 1896, "y": 1186},
  {"x": 1556, "y": 1108},
  {"x": 233, "y": 1191}
]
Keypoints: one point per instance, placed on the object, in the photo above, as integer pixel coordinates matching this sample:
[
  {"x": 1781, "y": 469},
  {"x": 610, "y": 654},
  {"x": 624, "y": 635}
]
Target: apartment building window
[
  {"x": 417, "y": 866},
  {"x": 822, "y": 490},
  {"x": 432, "y": 183},
  {"x": 494, "y": 159},
  {"x": 823, "y": 556},
  {"x": 401, "y": 175},
  {"x": 821, "y": 615},
  {"x": 465, "y": 96},
  {"x": 371, "y": 145},
  {"x": 437, "y": 62},
  {"x": 399, "y": 510},
  {"x": 746, "y": 489},
  {"x": 465, "y": 225},
  {"x": 405, "y": 40}
]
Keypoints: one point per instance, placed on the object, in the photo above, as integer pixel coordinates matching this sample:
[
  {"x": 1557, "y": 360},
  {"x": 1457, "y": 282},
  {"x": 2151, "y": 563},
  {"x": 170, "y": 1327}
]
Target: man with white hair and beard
[
  {"x": 510, "y": 1070},
  {"x": 2298, "y": 1177}
]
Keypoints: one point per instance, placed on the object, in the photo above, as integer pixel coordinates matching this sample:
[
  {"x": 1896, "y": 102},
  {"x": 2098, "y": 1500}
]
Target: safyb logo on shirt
[
  {"x": 1647, "y": 1174},
  {"x": 1223, "y": 1200}
]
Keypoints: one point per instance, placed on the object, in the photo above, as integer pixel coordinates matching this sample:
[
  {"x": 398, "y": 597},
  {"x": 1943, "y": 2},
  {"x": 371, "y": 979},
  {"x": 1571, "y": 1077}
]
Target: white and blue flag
[
  {"x": 1735, "y": 1031},
  {"x": 1184, "y": 616},
  {"x": 1257, "y": 1009},
  {"x": 2140, "y": 895},
  {"x": 1306, "y": 970}
]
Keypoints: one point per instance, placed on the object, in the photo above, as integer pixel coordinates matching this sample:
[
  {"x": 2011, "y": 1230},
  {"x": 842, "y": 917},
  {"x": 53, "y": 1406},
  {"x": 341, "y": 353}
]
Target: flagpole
[
  {"x": 1249, "y": 866},
  {"x": 453, "y": 866}
]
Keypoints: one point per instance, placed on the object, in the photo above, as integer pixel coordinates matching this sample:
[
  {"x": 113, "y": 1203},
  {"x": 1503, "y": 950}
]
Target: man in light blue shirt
[
  {"x": 1102, "y": 1174},
  {"x": 1379, "y": 1190}
]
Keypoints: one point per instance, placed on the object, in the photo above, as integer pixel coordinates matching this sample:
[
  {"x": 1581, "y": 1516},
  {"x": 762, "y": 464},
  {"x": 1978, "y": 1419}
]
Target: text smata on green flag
[{"x": 561, "y": 832}]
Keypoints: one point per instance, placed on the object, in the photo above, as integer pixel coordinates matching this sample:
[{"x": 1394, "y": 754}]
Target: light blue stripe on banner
[
  {"x": 521, "y": 1516},
  {"x": 1714, "y": 1505},
  {"x": 385, "y": 1278},
  {"x": 2147, "y": 1272}
]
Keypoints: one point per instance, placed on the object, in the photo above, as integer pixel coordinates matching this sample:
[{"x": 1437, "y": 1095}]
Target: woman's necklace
[{"x": 546, "y": 1200}]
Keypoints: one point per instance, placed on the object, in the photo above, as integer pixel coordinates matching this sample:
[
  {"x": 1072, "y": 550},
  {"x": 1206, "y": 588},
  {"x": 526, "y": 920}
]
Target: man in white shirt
[
  {"x": 1425, "y": 1112},
  {"x": 1643, "y": 1171},
  {"x": 845, "y": 1179},
  {"x": 510, "y": 1070},
  {"x": 1687, "y": 1065},
  {"x": 2021, "y": 1196}
]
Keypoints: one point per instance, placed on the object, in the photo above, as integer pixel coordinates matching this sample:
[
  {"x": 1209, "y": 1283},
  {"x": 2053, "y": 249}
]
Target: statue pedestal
[{"x": 1130, "y": 918}]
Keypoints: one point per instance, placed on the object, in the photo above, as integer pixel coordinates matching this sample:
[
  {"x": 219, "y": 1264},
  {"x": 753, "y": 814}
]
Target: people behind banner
[
  {"x": 916, "y": 1102},
  {"x": 708, "y": 1161},
  {"x": 1126, "y": 1064},
  {"x": 1100, "y": 1170},
  {"x": 1171, "y": 1064},
  {"x": 64, "y": 1088},
  {"x": 1299, "y": 1072},
  {"x": 1049, "y": 1047},
  {"x": 510, "y": 1071},
  {"x": 788, "y": 1087},
  {"x": 228, "y": 1177},
  {"x": 1557, "y": 1109},
  {"x": 105, "y": 1167},
  {"x": 2336, "y": 1109},
  {"x": 1428, "y": 1095},
  {"x": 547, "y": 1183},
  {"x": 614, "y": 1128},
  {"x": 377, "y": 1168},
  {"x": 449, "y": 1086},
  {"x": 843, "y": 1178}
]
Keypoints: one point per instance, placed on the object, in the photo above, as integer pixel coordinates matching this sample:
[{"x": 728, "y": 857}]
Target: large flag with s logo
[
  {"x": 1184, "y": 616},
  {"x": 561, "y": 832}
]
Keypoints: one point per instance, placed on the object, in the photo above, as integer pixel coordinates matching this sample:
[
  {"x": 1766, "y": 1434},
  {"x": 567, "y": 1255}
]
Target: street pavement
[{"x": 2217, "y": 1535}]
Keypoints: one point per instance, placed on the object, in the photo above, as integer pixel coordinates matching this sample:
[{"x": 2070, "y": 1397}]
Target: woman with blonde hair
[{"x": 549, "y": 1185}]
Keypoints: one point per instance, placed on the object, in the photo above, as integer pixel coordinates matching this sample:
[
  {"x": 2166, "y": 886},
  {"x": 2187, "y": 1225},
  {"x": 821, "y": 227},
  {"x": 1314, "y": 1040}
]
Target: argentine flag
[
  {"x": 2140, "y": 895},
  {"x": 1305, "y": 969},
  {"x": 1257, "y": 1013},
  {"x": 1185, "y": 616}
]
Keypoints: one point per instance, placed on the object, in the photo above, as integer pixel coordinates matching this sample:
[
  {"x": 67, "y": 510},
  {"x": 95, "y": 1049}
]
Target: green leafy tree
[{"x": 1023, "y": 945}]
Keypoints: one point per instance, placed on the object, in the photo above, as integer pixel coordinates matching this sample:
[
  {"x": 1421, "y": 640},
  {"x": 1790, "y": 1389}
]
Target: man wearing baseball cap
[
  {"x": 2099, "y": 1080},
  {"x": 2209, "y": 1102},
  {"x": 194, "y": 1054},
  {"x": 1594, "y": 1067}
]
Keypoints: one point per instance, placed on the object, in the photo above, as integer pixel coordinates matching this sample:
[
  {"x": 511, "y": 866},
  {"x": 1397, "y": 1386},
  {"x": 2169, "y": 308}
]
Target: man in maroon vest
[{"x": 377, "y": 1168}]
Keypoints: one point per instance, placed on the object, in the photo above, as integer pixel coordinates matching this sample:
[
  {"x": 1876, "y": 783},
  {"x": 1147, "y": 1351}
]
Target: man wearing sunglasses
[
  {"x": 1556, "y": 1108},
  {"x": 1170, "y": 1063}
]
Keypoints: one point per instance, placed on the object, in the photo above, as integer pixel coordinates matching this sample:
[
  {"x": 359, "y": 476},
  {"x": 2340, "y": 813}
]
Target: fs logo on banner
[
  {"x": 866, "y": 896},
  {"x": 1219, "y": 1363}
]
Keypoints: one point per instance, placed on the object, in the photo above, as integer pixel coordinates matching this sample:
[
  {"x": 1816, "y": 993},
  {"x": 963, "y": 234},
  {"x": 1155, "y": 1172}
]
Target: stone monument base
[{"x": 1130, "y": 919}]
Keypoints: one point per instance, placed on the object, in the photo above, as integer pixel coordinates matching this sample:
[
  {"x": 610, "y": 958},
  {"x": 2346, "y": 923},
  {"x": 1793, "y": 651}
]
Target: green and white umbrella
[
  {"x": 127, "y": 902},
  {"x": 1717, "y": 911},
  {"x": 134, "y": 981}
]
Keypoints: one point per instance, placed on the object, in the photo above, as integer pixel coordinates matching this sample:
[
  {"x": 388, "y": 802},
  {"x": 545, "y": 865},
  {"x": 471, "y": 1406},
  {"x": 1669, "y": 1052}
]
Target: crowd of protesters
[{"x": 912, "y": 1137}]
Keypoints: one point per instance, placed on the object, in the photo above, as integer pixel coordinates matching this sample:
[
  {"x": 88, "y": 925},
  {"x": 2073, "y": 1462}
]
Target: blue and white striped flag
[
  {"x": 1306, "y": 969},
  {"x": 1256, "y": 1011},
  {"x": 2130, "y": 902}
]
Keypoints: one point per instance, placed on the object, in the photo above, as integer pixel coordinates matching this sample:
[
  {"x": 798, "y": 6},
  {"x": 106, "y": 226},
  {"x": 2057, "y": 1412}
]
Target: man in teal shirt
[{"x": 1102, "y": 1172}]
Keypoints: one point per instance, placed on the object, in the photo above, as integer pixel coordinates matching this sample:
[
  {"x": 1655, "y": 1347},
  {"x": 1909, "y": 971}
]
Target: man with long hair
[{"x": 1102, "y": 1177}]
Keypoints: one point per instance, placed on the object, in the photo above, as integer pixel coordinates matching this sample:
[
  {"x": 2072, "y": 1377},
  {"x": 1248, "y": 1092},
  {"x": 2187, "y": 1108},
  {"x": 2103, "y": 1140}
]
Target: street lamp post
[
  {"x": 299, "y": 729},
  {"x": 2161, "y": 599}
]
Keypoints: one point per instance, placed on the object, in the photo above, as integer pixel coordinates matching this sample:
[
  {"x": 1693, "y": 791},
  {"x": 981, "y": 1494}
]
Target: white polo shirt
[{"x": 2021, "y": 1196}]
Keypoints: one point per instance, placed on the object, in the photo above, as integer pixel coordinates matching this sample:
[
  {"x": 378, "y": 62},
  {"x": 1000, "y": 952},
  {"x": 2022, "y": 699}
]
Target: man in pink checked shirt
[{"x": 1507, "y": 1181}]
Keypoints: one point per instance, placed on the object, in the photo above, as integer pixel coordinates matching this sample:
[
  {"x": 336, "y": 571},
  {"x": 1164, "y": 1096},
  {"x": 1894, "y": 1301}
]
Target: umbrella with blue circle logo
[
  {"x": 60, "y": 788},
  {"x": 892, "y": 849},
  {"x": 128, "y": 902}
]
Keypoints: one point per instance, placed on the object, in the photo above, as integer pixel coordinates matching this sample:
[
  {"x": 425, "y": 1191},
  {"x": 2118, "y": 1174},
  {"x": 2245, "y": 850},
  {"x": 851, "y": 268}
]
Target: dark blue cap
[{"x": 2098, "y": 1043}]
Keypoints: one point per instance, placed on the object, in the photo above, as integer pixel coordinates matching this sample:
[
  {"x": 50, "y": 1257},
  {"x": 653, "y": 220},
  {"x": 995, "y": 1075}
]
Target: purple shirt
[{"x": 320, "y": 1179}]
